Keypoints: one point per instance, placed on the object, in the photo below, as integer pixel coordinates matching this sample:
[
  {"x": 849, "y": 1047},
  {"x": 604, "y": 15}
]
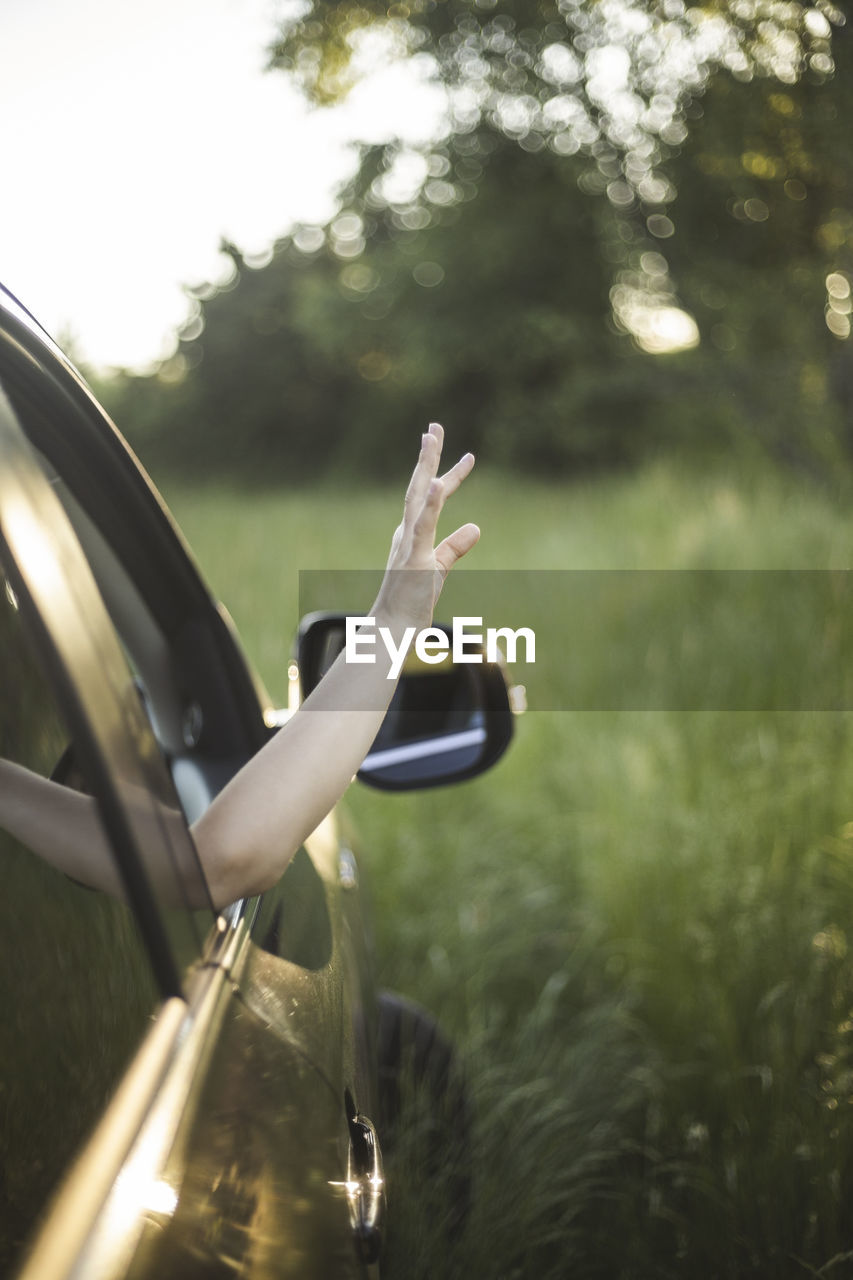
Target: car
[{"x": 184, "y": 1091}]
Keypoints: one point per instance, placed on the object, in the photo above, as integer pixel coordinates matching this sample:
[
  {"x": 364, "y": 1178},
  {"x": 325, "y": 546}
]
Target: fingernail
[{"x": 434, "y": 428}]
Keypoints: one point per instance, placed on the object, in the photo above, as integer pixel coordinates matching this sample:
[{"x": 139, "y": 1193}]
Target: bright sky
[{"x": 134, "y": 136}]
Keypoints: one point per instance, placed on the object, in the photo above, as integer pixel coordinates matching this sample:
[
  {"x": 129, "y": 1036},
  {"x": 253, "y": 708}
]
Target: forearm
[
  {"x": 255, "y": 825},
  {"x": 59, "y": 824},
  {"x": 253, "y": 828},
  {"x": 63, "y": 827}
]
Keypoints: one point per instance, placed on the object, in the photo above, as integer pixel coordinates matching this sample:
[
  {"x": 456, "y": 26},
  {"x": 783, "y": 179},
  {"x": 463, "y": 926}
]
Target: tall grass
[{"x": 636, "y": 927}]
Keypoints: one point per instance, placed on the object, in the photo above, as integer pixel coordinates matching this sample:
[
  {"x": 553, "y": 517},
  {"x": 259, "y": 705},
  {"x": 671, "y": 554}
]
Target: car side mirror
[{"x": 445, "y": 723}]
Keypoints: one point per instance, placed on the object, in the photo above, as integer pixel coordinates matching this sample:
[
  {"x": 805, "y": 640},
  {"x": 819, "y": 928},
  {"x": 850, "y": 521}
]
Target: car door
[{"x": 237, "y": 1132}]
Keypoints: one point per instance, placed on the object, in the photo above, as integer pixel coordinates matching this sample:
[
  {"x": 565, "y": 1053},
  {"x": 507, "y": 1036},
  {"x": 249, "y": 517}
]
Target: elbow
[
  {"x": 225, "y": 890},
  {"x": 239, "y": 874},
  {"x": 240, "y": 859}
]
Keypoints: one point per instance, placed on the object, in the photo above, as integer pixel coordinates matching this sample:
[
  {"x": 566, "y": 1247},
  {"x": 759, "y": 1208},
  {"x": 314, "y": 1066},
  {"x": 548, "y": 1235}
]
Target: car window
[
  {"x": 148, "y": 592},
  {"x": 77, "y": 984},
  {"x": 191, "y": 680},
  {"x": 174, "y": 714}
]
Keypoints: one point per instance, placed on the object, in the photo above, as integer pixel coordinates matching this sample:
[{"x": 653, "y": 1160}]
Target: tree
[
  {"x": 614, "y": 80},
  {"x": 762, "y": 255},
  {"x": 610, "y": 169},
  {"x": 492, "y": 318},
  {"x": 627, "y": 84}
]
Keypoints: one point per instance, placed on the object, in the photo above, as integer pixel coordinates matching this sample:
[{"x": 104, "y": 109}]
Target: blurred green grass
[{"x": 636, "y": 927}]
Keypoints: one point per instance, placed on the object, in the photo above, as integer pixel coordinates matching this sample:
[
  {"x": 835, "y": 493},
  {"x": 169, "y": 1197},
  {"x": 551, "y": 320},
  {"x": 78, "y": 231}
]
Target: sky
[{"x": 136, "y": 136}]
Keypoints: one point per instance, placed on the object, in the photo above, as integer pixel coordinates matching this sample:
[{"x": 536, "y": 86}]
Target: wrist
[
  {"x": 405, "y": 600},
  {"x": 393, "y": 620}
]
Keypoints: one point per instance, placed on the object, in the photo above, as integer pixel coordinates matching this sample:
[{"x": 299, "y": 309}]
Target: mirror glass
[{"x": 436, "y": 726}]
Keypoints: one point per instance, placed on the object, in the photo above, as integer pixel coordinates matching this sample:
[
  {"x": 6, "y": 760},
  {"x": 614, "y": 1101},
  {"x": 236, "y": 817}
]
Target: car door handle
[{"x": 366, "y": 1188}]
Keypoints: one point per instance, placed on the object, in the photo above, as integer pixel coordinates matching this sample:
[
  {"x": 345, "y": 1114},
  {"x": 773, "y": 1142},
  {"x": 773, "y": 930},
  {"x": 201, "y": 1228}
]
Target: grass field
[{"x": 637, "y": 926}]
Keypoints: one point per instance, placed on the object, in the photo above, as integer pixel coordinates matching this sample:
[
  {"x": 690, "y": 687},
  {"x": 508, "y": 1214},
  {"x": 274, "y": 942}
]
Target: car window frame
[
  {"x": 86, "y": 670},
  {"x": 81, "y": 446}
]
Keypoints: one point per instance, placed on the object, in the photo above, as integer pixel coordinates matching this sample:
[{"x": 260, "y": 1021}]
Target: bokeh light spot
[
  {"x": 660, "y": 226},
  {"x": 428, "y": 274},
  {"x": 661, "y": 330},
  {"x": 309, "y": 239},
  {"x": 837, "y": 324},
  {"x": 756, "y": 210},
  {"x": 837, "y": 285}
]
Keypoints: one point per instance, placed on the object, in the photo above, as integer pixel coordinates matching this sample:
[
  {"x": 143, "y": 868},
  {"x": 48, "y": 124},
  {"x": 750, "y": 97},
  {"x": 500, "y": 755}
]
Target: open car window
[
  {"x": 175, "y": 716},
  {"x": 114, "y": 740},
  {"x": 199, "y": 700}
]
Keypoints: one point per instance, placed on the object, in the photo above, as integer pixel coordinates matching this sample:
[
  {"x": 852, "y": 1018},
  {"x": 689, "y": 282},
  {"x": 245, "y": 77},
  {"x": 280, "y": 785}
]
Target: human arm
[
  {"x": 252, "y": 829},
  {"x": 61, "y": 825}
]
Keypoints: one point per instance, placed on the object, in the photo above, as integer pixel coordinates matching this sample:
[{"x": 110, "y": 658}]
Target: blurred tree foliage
[{"x": 635, "y": 237}]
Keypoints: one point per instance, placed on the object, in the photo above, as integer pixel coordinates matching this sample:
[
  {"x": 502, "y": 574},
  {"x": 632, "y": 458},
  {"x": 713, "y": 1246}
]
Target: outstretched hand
[{"x": 416, "y": 567}]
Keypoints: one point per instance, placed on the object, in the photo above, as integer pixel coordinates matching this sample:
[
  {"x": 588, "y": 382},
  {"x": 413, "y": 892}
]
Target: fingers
[
  {"x": 454, "y": 477},
  {"x": 455, "y": 546},
  {"x": 426, "y": 496},
  {"x": 423, "y": 532},
  {"x": 426, "y": 468}
]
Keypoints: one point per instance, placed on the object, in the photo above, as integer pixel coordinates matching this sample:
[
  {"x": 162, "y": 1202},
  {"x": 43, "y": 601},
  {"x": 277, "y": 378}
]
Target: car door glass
[{"x": 77, "y": 985}]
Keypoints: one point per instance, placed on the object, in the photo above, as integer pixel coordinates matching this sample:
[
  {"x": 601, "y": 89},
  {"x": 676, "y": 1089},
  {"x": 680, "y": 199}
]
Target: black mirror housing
[{"x": 445, "y": 723}]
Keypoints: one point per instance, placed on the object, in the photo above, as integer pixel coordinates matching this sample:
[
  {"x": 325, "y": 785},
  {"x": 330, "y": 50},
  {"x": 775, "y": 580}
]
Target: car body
[{"x": 183, "y": 1091}]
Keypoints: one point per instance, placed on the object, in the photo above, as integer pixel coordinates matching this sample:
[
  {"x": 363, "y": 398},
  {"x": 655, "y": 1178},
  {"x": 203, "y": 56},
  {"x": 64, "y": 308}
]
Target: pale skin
[{"x": 254, "y": 826}]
